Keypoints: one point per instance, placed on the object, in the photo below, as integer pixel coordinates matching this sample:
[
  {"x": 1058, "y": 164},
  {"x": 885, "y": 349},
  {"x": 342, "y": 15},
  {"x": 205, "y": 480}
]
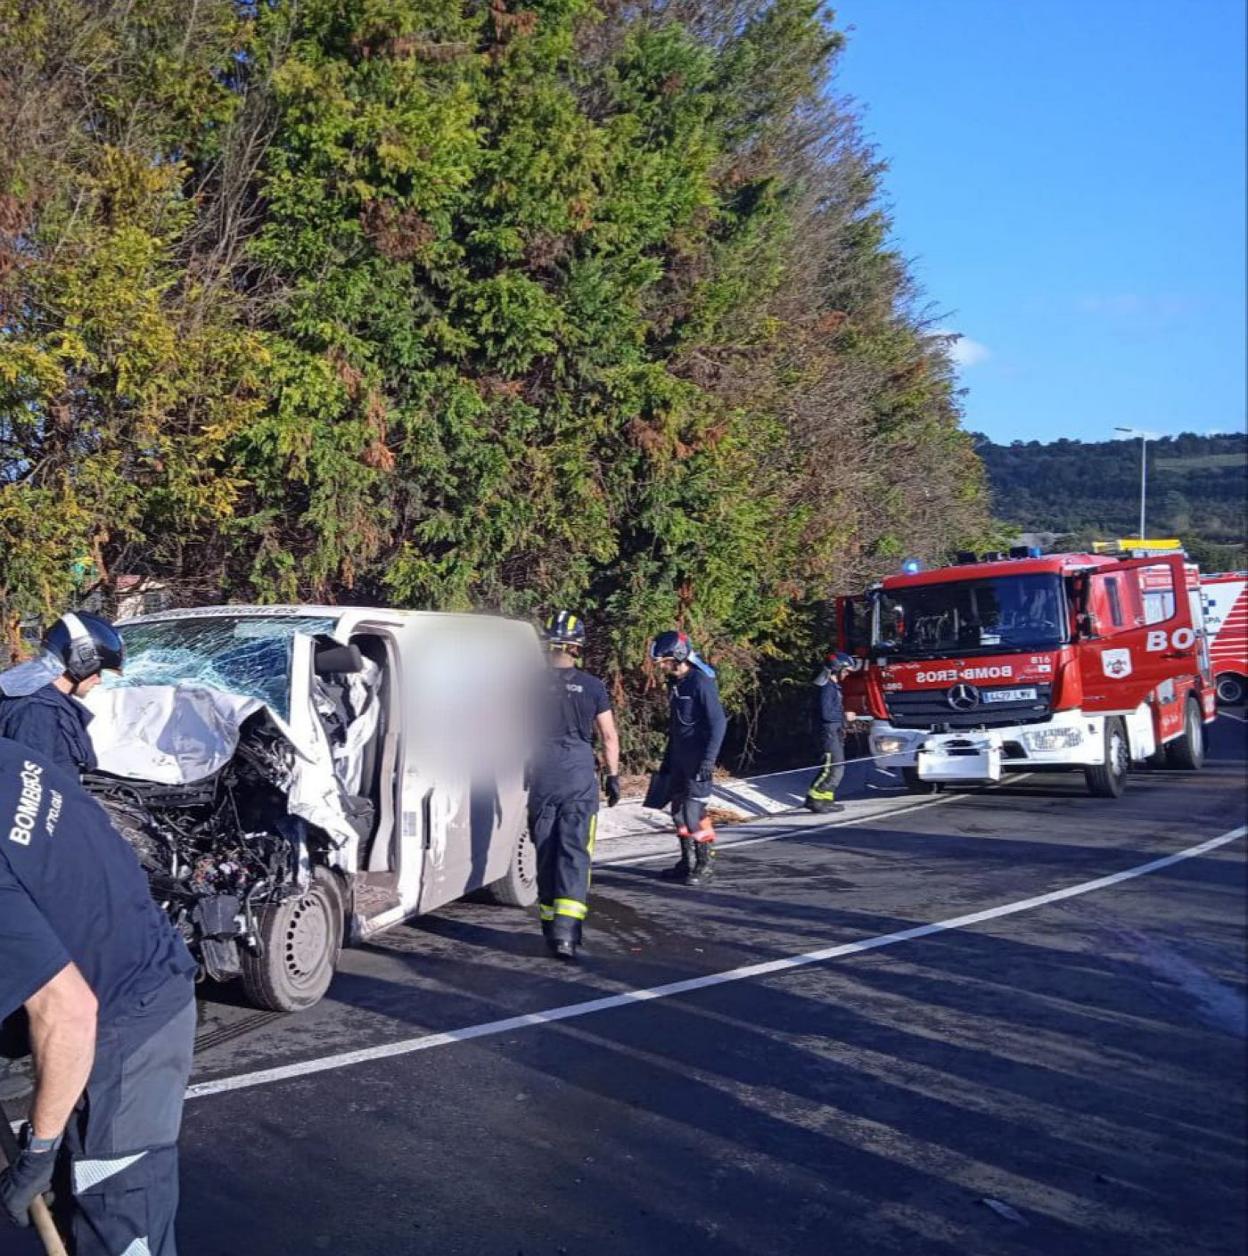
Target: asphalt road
[{"x": 1080, "y": 1064}]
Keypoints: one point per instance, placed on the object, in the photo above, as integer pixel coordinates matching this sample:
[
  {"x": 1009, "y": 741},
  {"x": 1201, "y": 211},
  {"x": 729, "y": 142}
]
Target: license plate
[{"x": 1008, "y": 695}]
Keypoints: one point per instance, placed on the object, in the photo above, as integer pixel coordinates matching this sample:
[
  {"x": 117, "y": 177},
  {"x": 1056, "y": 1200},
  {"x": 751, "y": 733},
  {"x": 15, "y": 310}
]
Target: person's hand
[
  {"x": 612, "y": 786},
  {"x": 850, "y": 716},
  {"x": 701, "y": 788},
  {"x": 25, "y": 1180}
]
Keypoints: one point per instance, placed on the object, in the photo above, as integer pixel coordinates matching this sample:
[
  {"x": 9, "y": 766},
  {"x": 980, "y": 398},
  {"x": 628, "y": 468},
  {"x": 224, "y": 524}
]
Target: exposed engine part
[{"x": 217, "y": 849}]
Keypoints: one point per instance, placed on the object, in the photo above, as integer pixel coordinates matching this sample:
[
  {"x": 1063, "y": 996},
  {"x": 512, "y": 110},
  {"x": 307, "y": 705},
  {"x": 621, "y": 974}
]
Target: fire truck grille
[{"x": 930, "y": 708}]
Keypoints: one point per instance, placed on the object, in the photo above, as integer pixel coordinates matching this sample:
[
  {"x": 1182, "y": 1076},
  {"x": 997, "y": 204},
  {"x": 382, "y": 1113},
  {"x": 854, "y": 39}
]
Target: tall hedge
[{"x": 451, "y": 305}]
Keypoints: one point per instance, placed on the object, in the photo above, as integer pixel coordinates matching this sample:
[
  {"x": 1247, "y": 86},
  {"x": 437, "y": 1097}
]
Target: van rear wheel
[
  {"x": 1109, "y": 779},
  {"x": 518, "y": 886},
  {"x": 300, "y": 942}
]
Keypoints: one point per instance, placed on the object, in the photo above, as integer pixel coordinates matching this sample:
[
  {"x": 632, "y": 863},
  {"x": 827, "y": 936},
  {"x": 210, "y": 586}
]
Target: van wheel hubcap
[{"x": 307, "y": 939}]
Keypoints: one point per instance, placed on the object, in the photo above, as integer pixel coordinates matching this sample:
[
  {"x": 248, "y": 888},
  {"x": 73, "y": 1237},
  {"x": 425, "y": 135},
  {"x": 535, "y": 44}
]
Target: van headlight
[
  {"x": 889, "y": 745},
  {"x": 1053, "y": 738}
]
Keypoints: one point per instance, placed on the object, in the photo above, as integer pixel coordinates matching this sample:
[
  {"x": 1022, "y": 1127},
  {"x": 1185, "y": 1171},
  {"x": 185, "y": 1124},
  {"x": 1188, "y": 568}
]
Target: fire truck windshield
[{"x": 998, "y": 615}]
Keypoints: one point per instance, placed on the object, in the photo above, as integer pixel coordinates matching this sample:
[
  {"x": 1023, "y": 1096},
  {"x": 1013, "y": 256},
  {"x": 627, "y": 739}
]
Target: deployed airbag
[{"x": 170, "y": 734}]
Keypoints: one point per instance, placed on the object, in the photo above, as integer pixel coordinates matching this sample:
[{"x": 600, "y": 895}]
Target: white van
[{"x": 297, "y": 777}]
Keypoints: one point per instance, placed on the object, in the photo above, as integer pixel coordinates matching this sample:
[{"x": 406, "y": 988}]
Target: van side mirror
[{"x": 1086, "y": 624}]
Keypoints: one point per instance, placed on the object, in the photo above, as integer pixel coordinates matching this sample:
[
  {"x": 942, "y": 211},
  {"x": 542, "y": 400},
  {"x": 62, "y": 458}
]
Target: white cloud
[
  {"x": 962, "y": 350},
  {"x": 1136, "y": 433}
]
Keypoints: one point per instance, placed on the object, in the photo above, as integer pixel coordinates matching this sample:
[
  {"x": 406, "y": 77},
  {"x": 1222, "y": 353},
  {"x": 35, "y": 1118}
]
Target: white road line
[
  {"x": 406, "y": 1046},
  {"x": 1229, "y": 715}
]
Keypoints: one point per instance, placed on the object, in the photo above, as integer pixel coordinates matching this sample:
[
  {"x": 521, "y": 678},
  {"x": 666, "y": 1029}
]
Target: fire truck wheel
[
  {"x": 915, "y": 784},
  {"x": 1109, "y": 779},
  {"x": 1188, "y": 751},
  {"x": 1230, "y": 689}
]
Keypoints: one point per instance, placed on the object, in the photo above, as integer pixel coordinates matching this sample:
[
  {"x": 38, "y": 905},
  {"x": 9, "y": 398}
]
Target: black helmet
[
  {"x": 564, "y": 628},
  {"x": 86, "y": 644},
  {"x": 671, "y": 645},
  {"x": 839, "y": 661}
]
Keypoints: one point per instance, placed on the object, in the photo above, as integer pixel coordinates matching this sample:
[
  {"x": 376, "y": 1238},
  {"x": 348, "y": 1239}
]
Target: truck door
[
  {"x": 853, "y": 636},
  {"x": 1137, "y": 634}
]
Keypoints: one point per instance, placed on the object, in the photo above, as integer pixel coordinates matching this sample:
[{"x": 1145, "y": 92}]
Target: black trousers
[
  {"x": 122, "y": 1140},
  {"x": 563, "y": 818},
  {"x": 822, "y": 792}
]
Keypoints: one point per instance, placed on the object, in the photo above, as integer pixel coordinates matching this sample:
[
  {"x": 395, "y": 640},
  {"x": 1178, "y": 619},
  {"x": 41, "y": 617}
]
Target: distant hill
[{"x": 1197, "y": 488}]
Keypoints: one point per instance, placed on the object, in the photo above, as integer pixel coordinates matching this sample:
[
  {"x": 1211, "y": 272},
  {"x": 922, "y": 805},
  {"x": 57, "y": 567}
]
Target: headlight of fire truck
[
  {"x": 1053, "y": 738},
  {"x": 888, "y": 745}
]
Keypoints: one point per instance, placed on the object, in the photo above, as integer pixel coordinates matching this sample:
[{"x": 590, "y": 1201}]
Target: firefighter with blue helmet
[
  {"x": 563, "y": 782},
  {"x": 696, "y": 727},
  {"x": 40, "y": 703},
  {"x": 832, "y": 718}
]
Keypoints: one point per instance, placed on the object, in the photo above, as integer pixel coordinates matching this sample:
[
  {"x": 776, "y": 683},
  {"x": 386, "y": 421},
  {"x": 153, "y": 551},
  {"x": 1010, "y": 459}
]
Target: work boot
[
  {"x": 564, "y": 949},
  {"x": 823, "y": 807},
  {"x": 703, "y": 869},
  {"x": 683, "y": 867}
]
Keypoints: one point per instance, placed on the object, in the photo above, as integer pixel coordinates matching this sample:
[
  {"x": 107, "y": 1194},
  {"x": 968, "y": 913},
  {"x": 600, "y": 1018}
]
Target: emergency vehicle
[
  {"x": 1225, "y": 596},
  {"x": 1021, "y": 661}
]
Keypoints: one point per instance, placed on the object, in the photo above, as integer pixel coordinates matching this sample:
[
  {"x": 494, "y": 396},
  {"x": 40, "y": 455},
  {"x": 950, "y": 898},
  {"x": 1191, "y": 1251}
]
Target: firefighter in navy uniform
[
  {"x": 563, "y": 783},
  {"x": 696, "y": 726},
  {"x": 108, "y": 987},
  {"x": 821, "y": 797},
  {"x": 38, "y": 699}
]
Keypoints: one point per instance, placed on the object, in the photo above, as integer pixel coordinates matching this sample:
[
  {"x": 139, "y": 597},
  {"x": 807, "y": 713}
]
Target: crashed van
[{"x": 295, "y": 778}]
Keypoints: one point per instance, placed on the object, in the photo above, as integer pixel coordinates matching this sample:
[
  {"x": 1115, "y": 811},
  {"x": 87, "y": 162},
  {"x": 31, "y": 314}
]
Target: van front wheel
[{"x": 300, "y": 941}]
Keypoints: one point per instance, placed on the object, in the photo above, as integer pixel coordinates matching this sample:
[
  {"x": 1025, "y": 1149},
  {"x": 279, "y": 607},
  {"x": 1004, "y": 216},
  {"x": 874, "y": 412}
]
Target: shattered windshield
[
  {"x": 247, "y": 655},
  {"x": 1001, "y": 614}
]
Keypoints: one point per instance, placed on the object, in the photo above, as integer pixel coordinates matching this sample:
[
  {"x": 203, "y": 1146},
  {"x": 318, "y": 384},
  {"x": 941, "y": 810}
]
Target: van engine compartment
[{"x": 216, "y": 849}]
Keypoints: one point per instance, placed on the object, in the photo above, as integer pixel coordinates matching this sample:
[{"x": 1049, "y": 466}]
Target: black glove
[
  {"x": 701, "y": 785},
  {"x": 612, "y": 786},
  {"x": 25, "y": 1180}
]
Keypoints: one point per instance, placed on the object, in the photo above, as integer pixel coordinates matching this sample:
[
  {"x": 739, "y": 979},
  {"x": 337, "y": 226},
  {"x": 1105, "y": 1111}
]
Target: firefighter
[
  {"x": 563, "y": 783},
  {"x": 38, "y": 699},
  {"x": 696, "y": 725},
  {"x": 821, "y": 797},
  {"x": 108, "y": 990}
]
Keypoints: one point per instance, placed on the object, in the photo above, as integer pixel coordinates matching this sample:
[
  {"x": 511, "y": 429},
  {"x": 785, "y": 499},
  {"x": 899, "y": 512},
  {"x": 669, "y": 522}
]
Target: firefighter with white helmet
[{"x": 38, "y": 706}]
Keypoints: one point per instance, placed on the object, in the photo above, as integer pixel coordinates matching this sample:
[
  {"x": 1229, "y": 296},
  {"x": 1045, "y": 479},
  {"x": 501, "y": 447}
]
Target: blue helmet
[
  {"x": 671, "y": 645},
  {"x": 564, "y": 628}
]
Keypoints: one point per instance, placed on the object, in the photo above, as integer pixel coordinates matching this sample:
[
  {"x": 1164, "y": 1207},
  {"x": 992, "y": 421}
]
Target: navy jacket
[
  {"x": 697, "y": 724},
  {"x": 831, "y": 712},
  {"x": 71, "y": 888},
  {"x": 53, "y": 725}
]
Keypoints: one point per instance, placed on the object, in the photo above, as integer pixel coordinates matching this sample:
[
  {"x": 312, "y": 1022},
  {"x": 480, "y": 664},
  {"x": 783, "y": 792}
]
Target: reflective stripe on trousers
[{"x": 122, "y": 1139}]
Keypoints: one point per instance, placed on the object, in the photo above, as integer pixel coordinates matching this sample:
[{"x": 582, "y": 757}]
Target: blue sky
[{"x": 1068, "y": 180}]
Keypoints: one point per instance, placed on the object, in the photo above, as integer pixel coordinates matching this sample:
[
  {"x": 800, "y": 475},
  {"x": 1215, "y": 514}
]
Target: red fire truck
[
  {"x": 1225, "y": 597},
  {"x": 1026, "y": 662}
]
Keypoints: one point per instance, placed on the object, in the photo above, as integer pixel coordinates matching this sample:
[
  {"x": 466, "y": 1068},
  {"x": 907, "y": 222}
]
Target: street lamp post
[{"x": 1131, "y": 431}]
